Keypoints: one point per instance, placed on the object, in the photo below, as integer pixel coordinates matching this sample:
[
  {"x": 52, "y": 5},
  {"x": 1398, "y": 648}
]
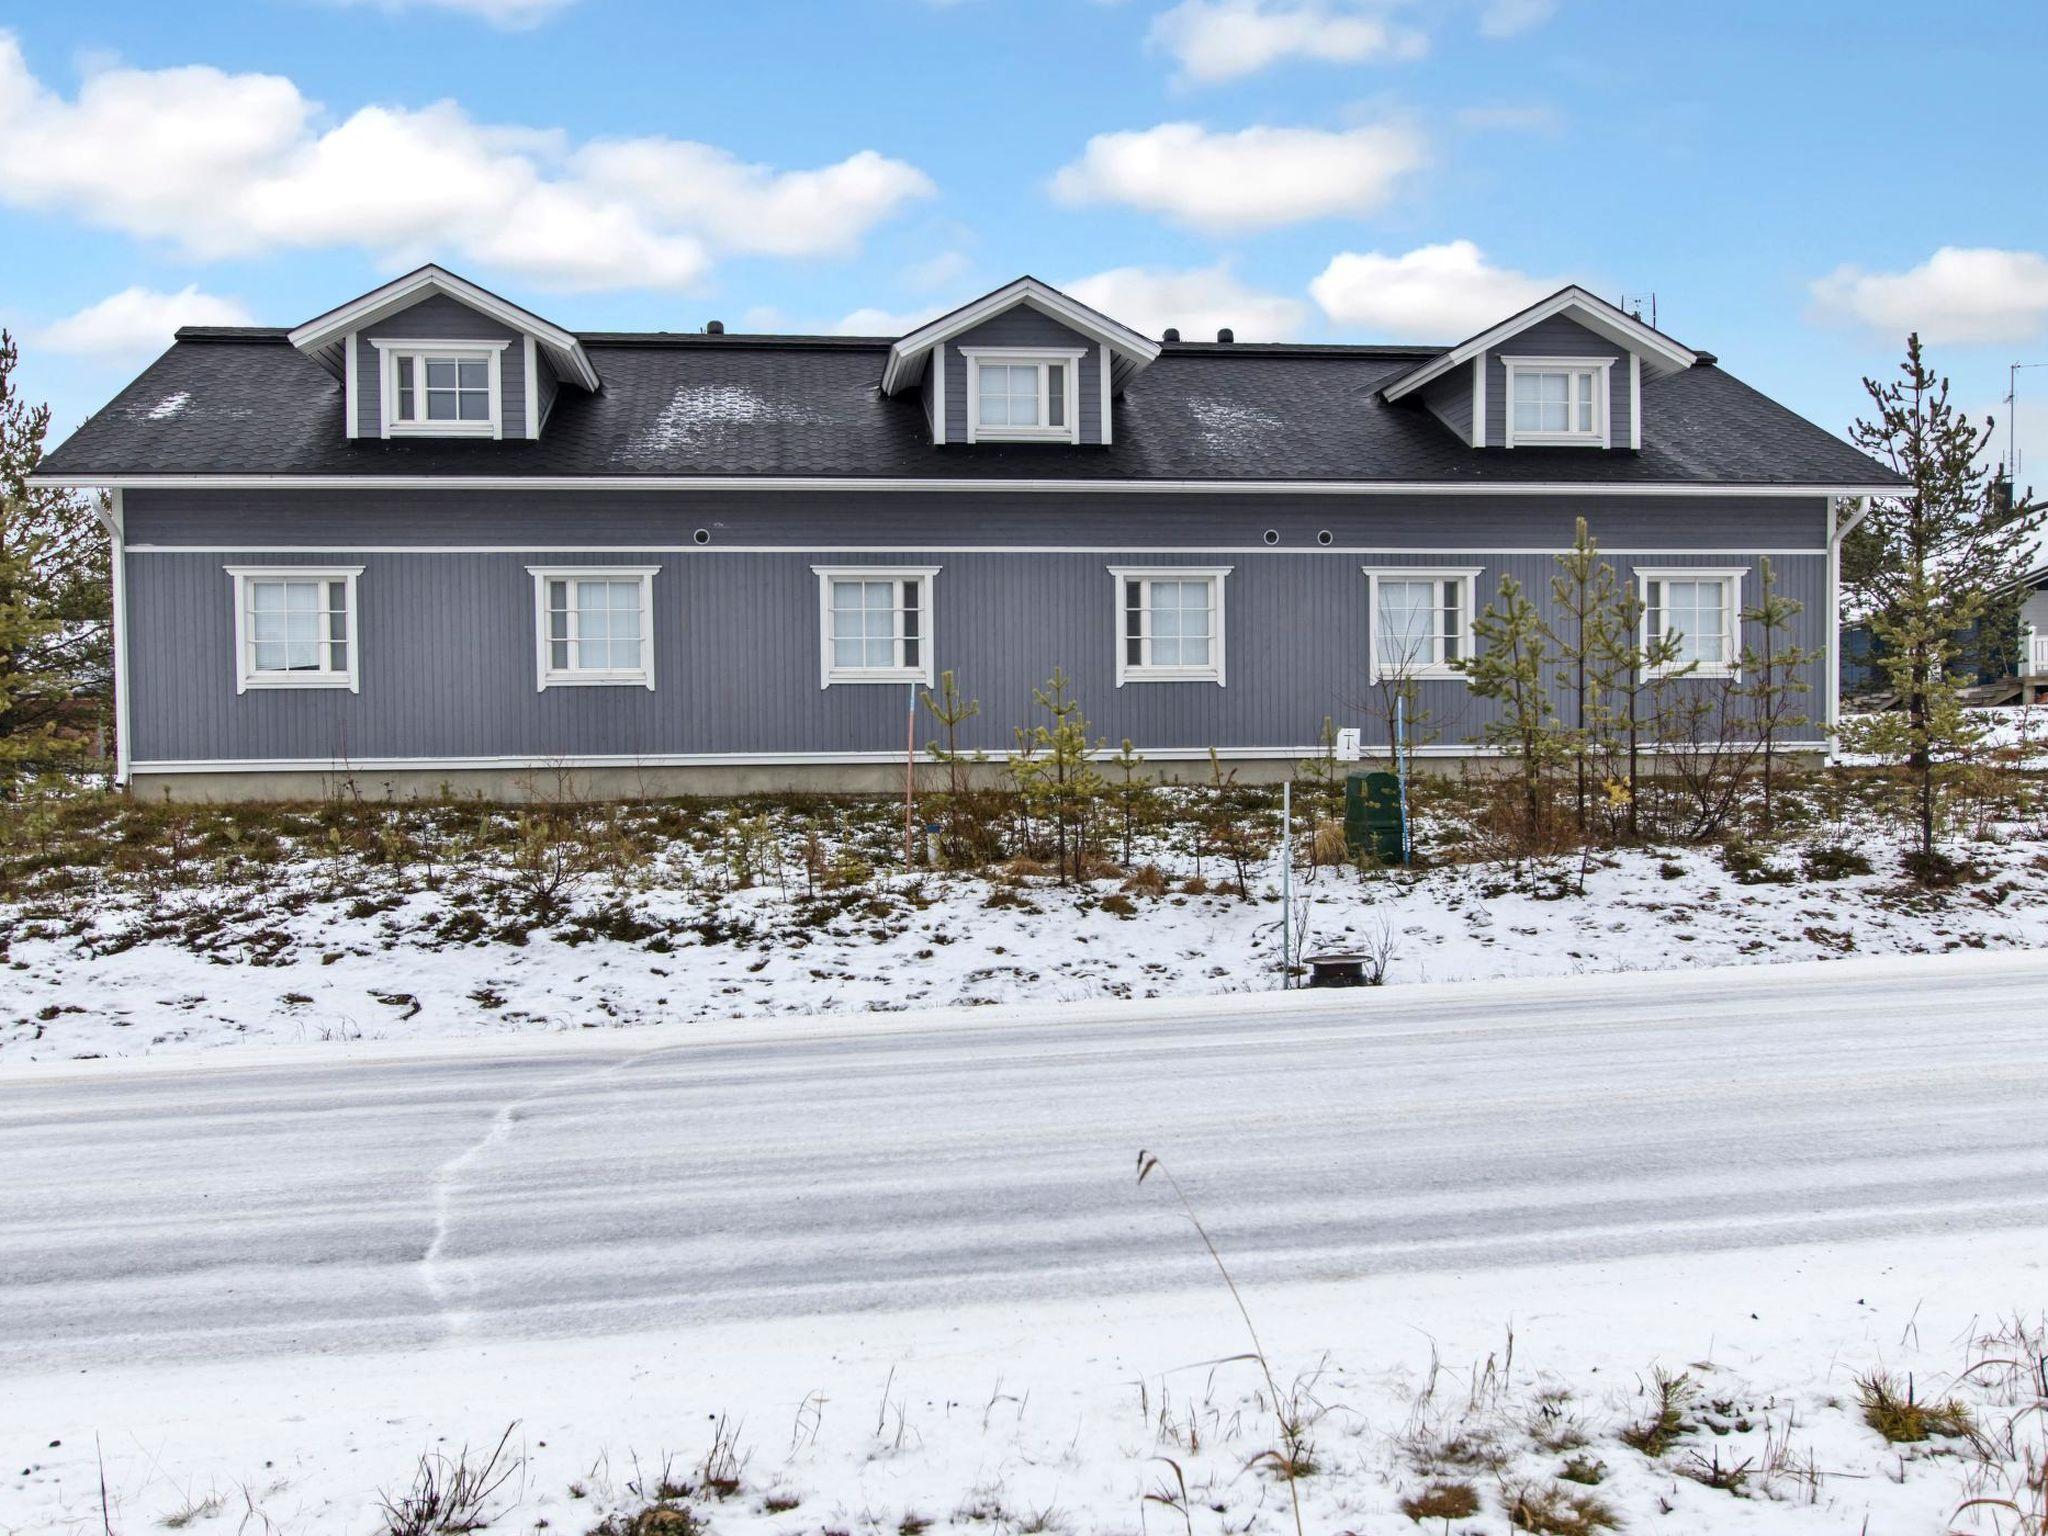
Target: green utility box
[{"x": 1372, "y": 816}]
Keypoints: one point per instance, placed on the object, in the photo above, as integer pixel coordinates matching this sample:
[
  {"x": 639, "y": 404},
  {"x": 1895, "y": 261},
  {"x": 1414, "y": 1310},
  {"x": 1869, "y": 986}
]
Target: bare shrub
[{"x": 450, "y": 1494}]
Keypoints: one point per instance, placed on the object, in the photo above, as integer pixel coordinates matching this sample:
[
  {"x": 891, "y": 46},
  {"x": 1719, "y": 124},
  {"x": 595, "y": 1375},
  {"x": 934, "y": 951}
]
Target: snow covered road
[{"x": 338, "y": 1198}]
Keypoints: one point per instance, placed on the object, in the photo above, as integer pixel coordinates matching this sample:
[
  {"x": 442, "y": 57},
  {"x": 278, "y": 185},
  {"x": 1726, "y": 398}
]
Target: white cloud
[
  {"x": 1214, "y": 40},
  {"x": 1959, "y": 294},
  {"x": 885, "y": 322},
  {"x": 511, "y": 15},
  {"x": 1252, "y": 179},
  {"x": 1200, "y": 302},
  {"x": 220, "y": 165},
  {"x": 139, "y": 320},
  {"x": 1509, "y": 119},
  {"x": 1441, "y": 293},
  {"x": 1506, "y": 18}
]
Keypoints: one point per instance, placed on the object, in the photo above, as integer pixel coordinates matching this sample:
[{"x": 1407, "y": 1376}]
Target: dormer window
[
  {"x": 1025, "y": 395},
  {"x": 1557, "y": 400},
  {"x": 442, "y": 389}
]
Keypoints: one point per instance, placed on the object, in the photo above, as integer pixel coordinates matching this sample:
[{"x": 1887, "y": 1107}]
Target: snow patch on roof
[
  {"x": 171, "y": 405},
  {"x": 697, "y": 412},
  {"x": 1229, "y": 424}
]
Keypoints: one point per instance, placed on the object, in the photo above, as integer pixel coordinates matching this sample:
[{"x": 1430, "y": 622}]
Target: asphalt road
[{"x": 337, "y": 1198}]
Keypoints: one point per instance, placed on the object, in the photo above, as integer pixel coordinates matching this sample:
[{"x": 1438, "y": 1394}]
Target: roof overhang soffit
[
  {"x": 321, "y": 337},
  {"x": 1659, "y": 353},
  {"x": 1130, "y": 352}
]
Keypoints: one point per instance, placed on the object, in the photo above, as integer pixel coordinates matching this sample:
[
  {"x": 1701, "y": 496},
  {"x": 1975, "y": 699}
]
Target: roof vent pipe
[
  {"x": 714, "y": 328},
  {"x": 1226, "y": 334},
  {"x": 1172, "y": 334}
]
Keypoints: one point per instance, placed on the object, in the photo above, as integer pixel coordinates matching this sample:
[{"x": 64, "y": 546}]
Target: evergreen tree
[
  {"x": 1131, "y": 793},
  {"x": 1584, "y": 592},
  {"x": 1963, "y": 524},
  {"x": 951, "y": 711},
  {"x": 1055, "y": 774},
  {"x": 1932, "y": 573},
  {"x": 1509, "y": 670},
  {"x": 55, "y": 644},
  {"x": 1771, "y": 682}
]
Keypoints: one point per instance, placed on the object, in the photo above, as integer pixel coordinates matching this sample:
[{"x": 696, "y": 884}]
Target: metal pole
[
  {"x": 1286, "y": 883},
  {"x": 909, "y": 771},
  {"x": 1401, "y": 771}
]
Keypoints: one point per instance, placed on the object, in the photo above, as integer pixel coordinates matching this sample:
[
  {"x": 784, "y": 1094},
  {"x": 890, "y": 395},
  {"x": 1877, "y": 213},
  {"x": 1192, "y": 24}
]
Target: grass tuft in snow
[
  {"x": 1901, "y": 1418},
  {"x": 1442, "y": 1501},
  {"x": 1671, "y": 1398},
  {"x": 451, "y": 1494},
  {"x": 1551, "y": 1509}
]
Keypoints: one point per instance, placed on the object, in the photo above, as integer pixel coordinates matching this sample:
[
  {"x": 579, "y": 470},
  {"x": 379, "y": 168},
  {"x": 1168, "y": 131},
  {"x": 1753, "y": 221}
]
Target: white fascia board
[
  {"x": 907, "y": 357},
  {"x": 1592, "y": 311},
  {"x": 403, "y": 292},
  {"x": 955, "y": 487}
]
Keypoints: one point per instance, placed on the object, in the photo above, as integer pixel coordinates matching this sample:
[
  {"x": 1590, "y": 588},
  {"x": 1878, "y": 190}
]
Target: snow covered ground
[
  {"x": 907, "y": 1262},
  {"x": 298, "y": 953}
]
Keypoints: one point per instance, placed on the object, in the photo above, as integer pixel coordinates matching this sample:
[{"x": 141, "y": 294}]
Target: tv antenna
[
  {"x": 2012, "y": 417},
  {"x": 1632, "y": 304}
]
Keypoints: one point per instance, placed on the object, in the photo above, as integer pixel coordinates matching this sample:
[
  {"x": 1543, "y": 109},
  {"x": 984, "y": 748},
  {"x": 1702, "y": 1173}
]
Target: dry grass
[
  {"x": 1902, "y": 1419},
  {"x": 450, "y": 1494},
  {"x": 1551, "y": 1509},
  {"x": 1442, "y": 1501},
  {"x": 1672, "y": 1396}
]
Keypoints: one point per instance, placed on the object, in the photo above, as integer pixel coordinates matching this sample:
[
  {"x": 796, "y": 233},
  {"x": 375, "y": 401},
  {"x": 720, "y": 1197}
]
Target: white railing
[{"x": 2037, "y": 655}]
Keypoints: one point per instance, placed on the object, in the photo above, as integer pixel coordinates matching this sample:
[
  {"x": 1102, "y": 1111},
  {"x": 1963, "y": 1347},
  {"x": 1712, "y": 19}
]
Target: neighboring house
[
  {"x": 2014, "y": 674},
  {"x": 430, "y": 538}
]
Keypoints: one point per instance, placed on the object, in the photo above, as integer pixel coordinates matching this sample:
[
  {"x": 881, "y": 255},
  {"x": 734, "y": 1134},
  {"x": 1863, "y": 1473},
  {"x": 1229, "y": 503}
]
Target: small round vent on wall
[
  {"x": 702, "y": 535},
  {"x": 1325, "y": 537},
  {"x": 1272, "y": 535}
]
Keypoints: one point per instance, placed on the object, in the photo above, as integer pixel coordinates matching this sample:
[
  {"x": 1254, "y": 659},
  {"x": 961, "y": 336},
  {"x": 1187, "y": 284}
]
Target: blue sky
[{"x": 1797, "y": 183}]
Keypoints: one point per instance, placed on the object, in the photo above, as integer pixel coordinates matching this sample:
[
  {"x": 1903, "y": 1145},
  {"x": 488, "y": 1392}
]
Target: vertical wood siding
[
  {"x": 447, "y": 654},
  {"x": 1022, "y": 327},
  {"x": 1556, "y": 337},
  {"x": 439, "y": 318}
]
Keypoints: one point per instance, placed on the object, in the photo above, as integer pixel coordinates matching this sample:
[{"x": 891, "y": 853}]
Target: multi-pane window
[
  {"x": 441, "y": 388},
  {"x": 1421, "y": 622},
  {"x": 1696, "y": 612},
  {"x": 1555, "y": 402},
  {"x": 295, "y": 628},
  {"x": 875, "y": 624},
  {"x": 1169, "y": 625},
  {"x": 1020, "y": 396},
  {"x": 595, "y": 625}
]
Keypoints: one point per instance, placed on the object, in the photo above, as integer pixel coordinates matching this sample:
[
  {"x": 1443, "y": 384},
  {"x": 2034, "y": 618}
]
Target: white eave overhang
[
  {"x": 1660, "y": 354},
  {"x": 322, "y": 336},
  {"x": 1130, "y": 352}
]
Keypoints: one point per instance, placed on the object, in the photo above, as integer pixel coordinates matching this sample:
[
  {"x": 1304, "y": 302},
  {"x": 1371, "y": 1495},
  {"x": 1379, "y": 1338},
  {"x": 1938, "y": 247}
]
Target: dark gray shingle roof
[{"x": 243, "y": 401}]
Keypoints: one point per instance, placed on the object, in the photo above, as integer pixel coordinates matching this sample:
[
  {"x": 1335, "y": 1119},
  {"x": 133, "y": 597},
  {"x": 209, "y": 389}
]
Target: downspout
[
  {"x": 1837, "y": 532},
  {"x": 112, "y": 517}
]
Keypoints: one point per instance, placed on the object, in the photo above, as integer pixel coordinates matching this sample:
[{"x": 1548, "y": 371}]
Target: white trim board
[
  {"x": 949, "y": 486},
  {"x": 1592, "y": 311},
  {"x": 910, "y": 355},
  {"x": 403, "y": 292},
  {"x": 1167, "y": 551},
  {"x": 781, "y": 759}
]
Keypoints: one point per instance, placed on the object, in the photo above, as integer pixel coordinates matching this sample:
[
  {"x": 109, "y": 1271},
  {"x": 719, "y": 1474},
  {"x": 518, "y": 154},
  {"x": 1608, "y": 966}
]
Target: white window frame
[
  {"x": 1467, "y": 577},
  {"x": 1024, "y": 357},
  {"x": 1143, "y": 672},
  {"x": 246, "y": 675},
  {"x": 1597, "y": 367},
  {"x": 545, "y": 675},
  {"x": 391, "y": 354},
  {"x": 1731, "y": 612},
  {"x": 925, "y": 671}
]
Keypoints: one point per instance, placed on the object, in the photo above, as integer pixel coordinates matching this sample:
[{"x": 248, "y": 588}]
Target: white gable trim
[
  {"x": 908, "y": 357},
  {"x": 403, "y": 292},
  {"x": 1591, "y": 311}
]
